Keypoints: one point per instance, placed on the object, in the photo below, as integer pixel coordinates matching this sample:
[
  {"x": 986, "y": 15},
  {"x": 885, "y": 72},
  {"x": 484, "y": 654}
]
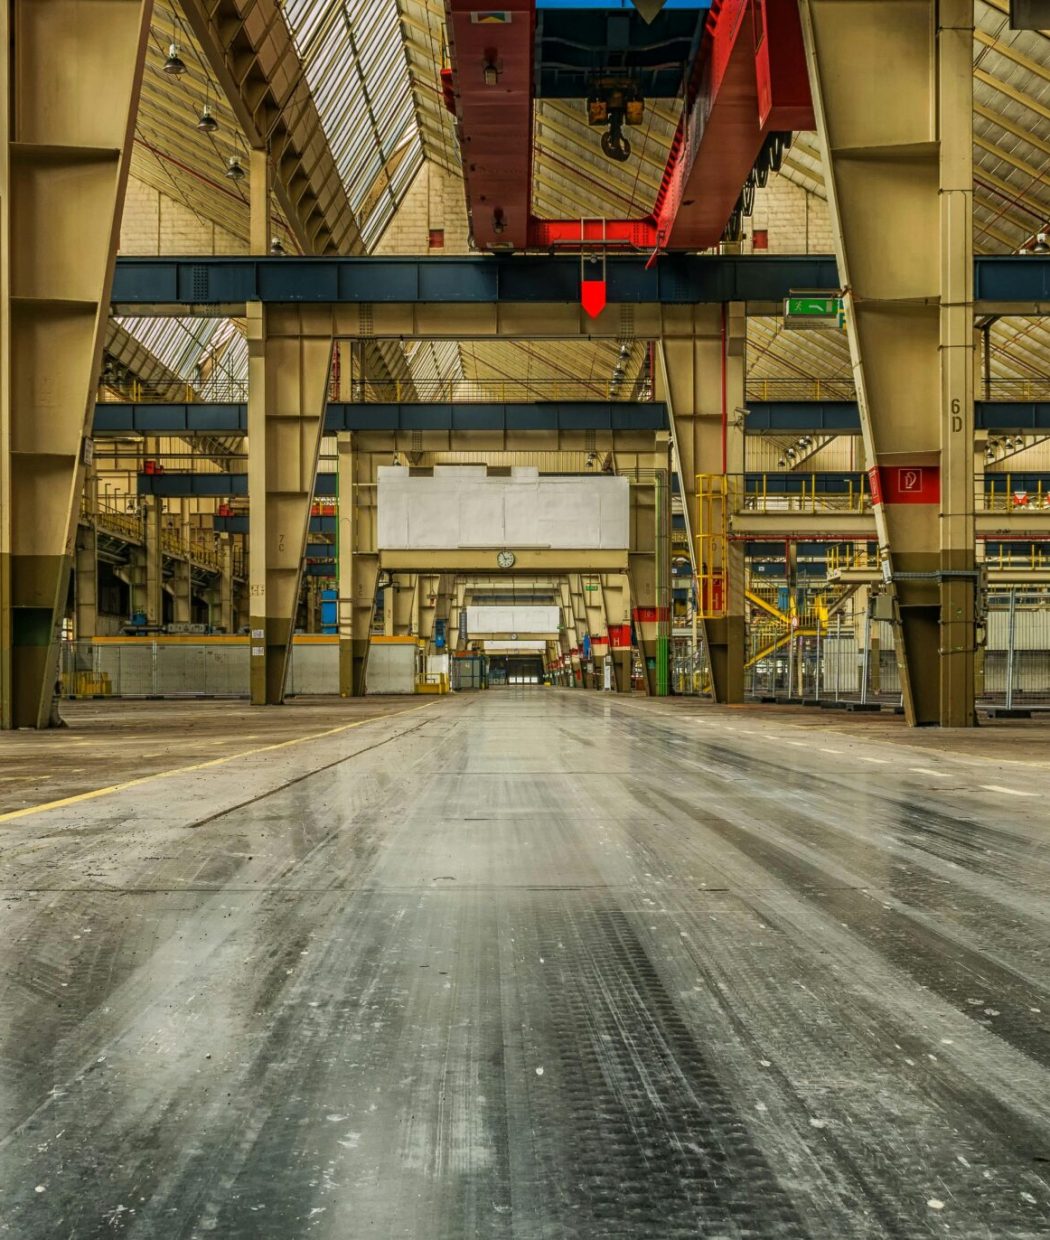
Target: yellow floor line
[{"x": 199, "y": 766}]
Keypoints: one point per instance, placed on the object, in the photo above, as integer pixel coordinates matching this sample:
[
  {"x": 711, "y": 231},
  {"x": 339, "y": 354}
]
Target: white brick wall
[
  {"x": 153, "y": 223},
  {"x": 434, "y": 200},
  {"x": 796, "y": 220}
]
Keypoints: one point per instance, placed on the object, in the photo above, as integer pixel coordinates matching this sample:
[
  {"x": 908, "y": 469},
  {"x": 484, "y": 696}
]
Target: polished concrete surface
[
  {"x": 108, "y": 741},
  {"x": 535, "y": 963}
]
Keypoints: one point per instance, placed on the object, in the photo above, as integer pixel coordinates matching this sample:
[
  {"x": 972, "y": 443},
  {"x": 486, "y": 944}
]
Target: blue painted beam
[
  {"x": 182, "y": 483},
  {"x": 1025, "y": 415},
  {"x": 674, "y": 279},
  {"x": 239, "y": 525},
  {"x": 170, "y": 419},
  {"x": 788, "y": 417},
  {"x": 584, "y": 415},
  {"x": 842, "y": 417},
  {"x": 191, "y": 419},
  {"x": 1005, "y": 278},
  {"x": 485, "y": 279}
]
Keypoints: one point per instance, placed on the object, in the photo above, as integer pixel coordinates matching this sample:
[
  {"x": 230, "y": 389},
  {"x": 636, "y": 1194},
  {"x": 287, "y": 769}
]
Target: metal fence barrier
[{"x": 143, "y": 668}]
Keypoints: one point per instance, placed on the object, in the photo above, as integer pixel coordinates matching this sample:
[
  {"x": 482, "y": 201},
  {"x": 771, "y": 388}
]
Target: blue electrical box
[{"x": 329, "y": 611}]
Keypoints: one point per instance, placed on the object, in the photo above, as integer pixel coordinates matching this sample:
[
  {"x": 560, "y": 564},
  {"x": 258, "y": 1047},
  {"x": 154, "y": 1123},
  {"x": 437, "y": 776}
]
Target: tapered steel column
[
  {"x": 289, "y": 359},
  {"x": 570, "y": 640},
  {"x": 589, "y": 600},
  {"x": 700, "y": 372},
  {"x": 85, "y": 585},
  {"x": 70, "y": 74},
  {"x": 899, "y": 177},
  {"x": 616, "y": 600},
  {"x": 358, "y": 562}
]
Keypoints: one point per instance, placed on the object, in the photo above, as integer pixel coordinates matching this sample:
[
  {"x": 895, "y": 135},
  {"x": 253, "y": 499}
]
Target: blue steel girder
[
  {"x": 483, "y": 280},
  {"x": 789, "y": 417},
  {"x": 232, "y": 419},
  {"x": 238, "y": 524},
  {"x": 841, "y": 416},
  {"x": 1004, "y": 284},
  {"x": 183, "y": 483}
]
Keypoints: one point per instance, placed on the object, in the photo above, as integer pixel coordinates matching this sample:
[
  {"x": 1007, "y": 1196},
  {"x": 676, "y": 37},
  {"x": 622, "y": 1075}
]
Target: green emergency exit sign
[
  {"x": 803, "y": 310},
  {"x": 799, "y": 307}
]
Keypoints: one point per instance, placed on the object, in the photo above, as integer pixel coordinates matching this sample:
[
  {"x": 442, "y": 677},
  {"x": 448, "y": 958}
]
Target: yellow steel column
[
  {"x": 364, "y": 562},
  {"x": 345, "y": 541},
  {"x": 404, "y": 610},
  {"x": 69, "y": 83},
  {"x": 582, "y": 626},
  {"x": 154, "y": 563},
  {"x": 289, "y": 352},
  {"x": 226, "y": 586},
  {"x": 700, "y": 373},
  {"x": 428, "y": 594},
  {"x": 85, "y": 585},
  {"x": 616, "y": 600},
  {"x": 182, "y": 590},
  {"x": 649, "y": 561},
  {"x": 455, "y": 631},
  {"x": 958, "y": 362},
  {"x": 898, "y": 160},
  {"x": 260, "y": 226}
]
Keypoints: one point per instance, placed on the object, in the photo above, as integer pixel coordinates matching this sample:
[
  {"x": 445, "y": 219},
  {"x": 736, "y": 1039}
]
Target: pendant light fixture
[{"x": 175, "y": 66}]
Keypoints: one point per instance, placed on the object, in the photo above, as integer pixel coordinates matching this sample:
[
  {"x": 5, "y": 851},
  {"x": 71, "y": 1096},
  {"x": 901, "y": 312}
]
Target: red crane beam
[
  {"x": 492, "y": 52},
  {"x": 753, "y": 82},
  {"x": 750, "y": 81}
]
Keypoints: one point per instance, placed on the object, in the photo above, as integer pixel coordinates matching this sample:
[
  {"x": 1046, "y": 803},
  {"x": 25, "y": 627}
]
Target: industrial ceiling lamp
[
  {"x": 1041, "y": 246},
  {"x": 276, "y": 248},
  {"x": 174, "y": 65},
  {"x": 234, "y": 170},
  {"x": 207, "y": 122}
]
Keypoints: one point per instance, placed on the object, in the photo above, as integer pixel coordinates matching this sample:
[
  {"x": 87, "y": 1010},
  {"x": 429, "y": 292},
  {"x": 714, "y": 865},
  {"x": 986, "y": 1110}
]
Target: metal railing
[
  {"x": 218, "y": 391},
  {"x": 1007, "y": 492},
  {"x": 1035, "y": 558},
  {"x": 222, "y": 391},
  {"x": 833, "y": 388},
  {"x": 496, "y": 391},
  {"x": 842, "y": 557},
  {"x": 762, "y": 493},
  {"x": 841, "y": 387}
]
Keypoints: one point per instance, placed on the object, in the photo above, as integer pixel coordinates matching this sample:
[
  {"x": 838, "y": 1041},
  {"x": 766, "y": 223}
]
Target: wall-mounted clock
[{"x": 505, "y": 559}]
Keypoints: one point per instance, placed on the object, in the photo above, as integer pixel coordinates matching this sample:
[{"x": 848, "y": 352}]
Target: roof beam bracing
[{"x": 250, "y": 50}]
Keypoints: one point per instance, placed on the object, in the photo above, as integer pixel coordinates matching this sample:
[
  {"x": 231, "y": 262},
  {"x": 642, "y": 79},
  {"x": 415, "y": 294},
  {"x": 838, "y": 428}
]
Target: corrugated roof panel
[{"x": 357, "y": 68}]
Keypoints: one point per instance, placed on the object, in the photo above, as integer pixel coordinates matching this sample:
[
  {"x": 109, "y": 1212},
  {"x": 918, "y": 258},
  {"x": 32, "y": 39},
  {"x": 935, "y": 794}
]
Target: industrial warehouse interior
[{"x": 525, "y": 619}]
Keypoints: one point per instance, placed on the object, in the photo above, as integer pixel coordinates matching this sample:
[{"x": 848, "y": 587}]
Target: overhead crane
[{"x": 736, "y": 68}]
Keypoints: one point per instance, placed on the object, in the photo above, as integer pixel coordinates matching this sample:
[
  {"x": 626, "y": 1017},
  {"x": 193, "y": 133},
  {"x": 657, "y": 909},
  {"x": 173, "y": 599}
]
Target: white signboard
[
  {"x": 511, "y": 619},
  {"x": 464, "y": 507}
]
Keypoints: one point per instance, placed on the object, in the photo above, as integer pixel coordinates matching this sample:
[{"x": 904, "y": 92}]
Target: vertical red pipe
[{"x": 725, "y": 394}]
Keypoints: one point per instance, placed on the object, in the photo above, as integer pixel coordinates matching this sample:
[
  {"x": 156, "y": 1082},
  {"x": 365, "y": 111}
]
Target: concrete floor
[{"x": 535, "y": 963}]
